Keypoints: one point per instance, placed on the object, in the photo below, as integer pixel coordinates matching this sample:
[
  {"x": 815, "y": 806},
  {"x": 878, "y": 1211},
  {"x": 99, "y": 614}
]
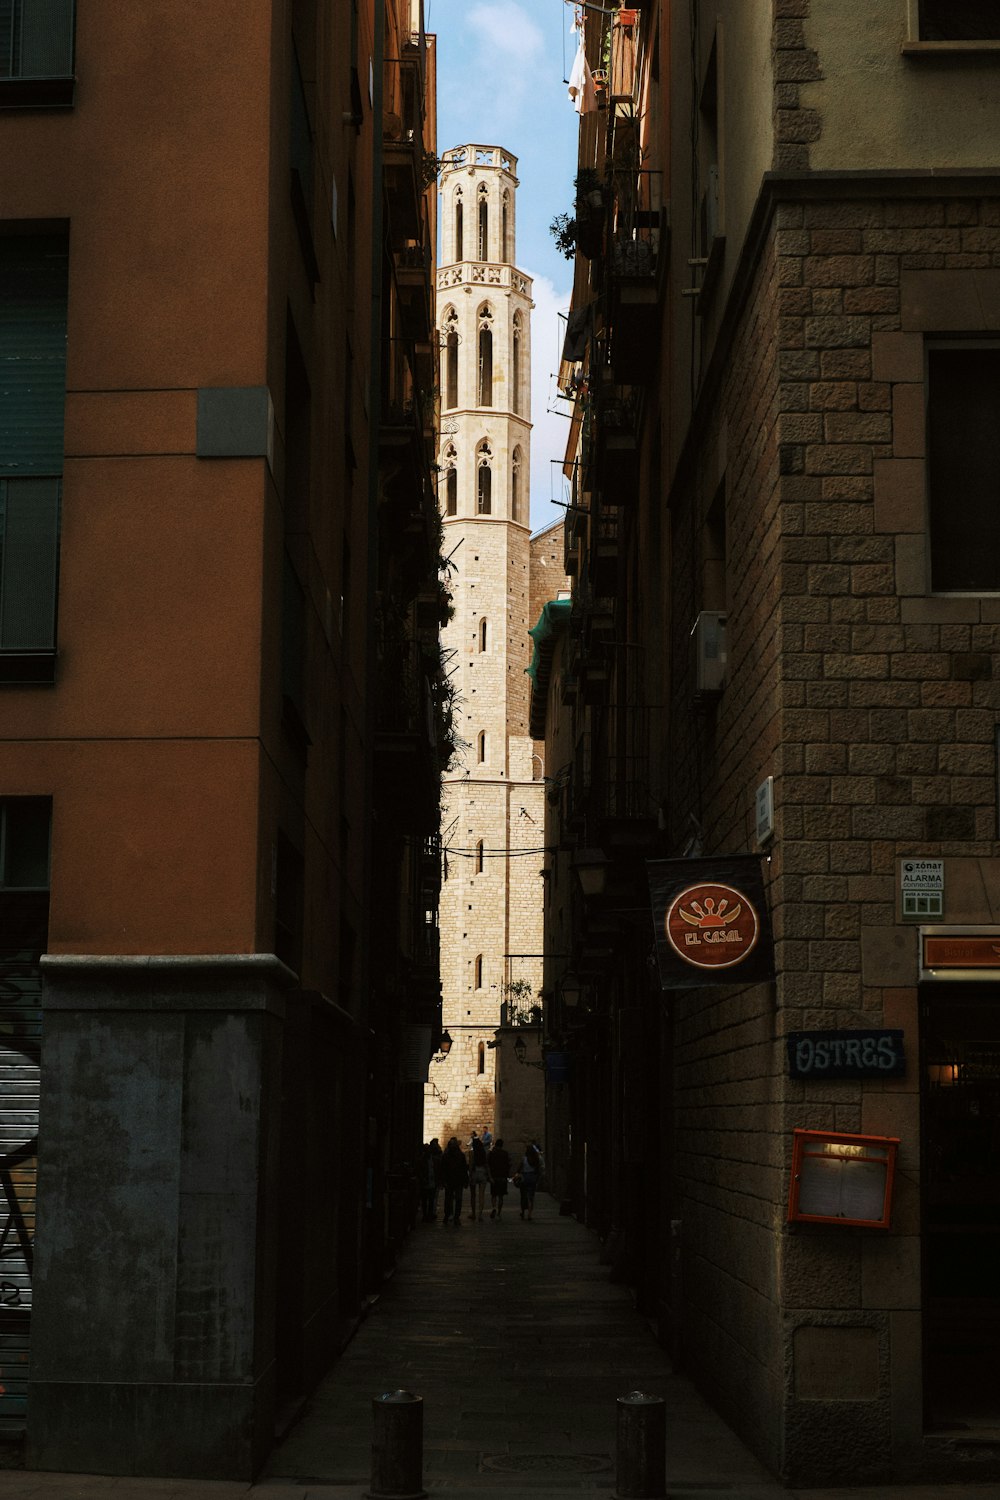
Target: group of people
[{"x": 485, "y": 1163}]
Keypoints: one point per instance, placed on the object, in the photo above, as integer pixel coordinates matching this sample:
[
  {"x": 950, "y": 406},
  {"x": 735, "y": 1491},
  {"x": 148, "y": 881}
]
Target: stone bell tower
[{"x": 492, "y": 798}]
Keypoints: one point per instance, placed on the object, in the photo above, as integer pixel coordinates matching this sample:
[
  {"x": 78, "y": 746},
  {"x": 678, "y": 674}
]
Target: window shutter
[
  {"x": 46, "y": 38},
  {"x": 36, "y": 38},
  {"x": 29, "y": 555},
  {"x": 33, "y": 280}
]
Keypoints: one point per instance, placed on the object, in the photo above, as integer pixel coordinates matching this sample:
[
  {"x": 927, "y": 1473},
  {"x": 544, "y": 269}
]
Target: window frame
[
  {"x": 43, "y": 90},
  {"x": 935, "y": 343}
]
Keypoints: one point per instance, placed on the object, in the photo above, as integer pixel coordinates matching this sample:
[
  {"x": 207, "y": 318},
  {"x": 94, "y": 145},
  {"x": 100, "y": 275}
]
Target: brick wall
[{"x": 874, "y": 705}]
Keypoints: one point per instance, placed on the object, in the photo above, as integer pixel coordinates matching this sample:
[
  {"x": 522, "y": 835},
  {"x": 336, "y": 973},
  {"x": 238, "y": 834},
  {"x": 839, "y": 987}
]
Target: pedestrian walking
[
  {"x": 456, "y": 1180},
  {"x": 487, "y": 1137},
  {"x": 528, "y": 1172},
  {"x": 498, "y": 1163},
  {"x": 427, "y": 1180},
  {"x": 479, "y": 1176}
]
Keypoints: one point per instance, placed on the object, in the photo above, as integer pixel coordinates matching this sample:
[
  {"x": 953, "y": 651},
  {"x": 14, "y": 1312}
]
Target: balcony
[
  {"x": 636, "y": 244},
  {"x": 413, "y": 290},
  {"x": 603, "y": 555},
  {"x": 403, "y": 146},
  {"x": 616, "y": 448}
]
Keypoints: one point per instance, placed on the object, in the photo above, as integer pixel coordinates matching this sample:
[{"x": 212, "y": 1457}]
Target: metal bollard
[
  {"x": 642, "y": 1447},
  {"x": 397, "y": 1447}
]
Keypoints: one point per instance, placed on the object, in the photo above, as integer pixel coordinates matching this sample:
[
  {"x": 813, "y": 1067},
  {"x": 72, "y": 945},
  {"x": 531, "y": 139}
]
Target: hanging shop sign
[
  {"x": 711, "y": 921},
  {"x": 842, "y": 1179},
  {"x": 845, "y": 1054},
  {"x": 966, "y": 953}
]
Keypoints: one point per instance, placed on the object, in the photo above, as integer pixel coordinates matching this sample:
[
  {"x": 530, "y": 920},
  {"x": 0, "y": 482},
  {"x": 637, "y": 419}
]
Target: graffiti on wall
[{"x": 23, "y": 925}]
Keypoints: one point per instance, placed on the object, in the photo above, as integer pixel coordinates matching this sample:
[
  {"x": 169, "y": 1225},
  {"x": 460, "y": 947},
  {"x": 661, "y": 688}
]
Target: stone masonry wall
[{"x": 874, "y": 704}]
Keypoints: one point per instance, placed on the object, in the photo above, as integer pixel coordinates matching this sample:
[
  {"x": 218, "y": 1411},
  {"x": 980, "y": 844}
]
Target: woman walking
[
  {"x": 528, "y": 1172},
  {"x": 456, "y": 1180},
  {"x": 498, "y": 1162}
]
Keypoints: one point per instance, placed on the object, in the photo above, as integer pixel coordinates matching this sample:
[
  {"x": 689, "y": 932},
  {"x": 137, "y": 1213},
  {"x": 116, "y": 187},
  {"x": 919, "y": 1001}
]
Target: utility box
[{"x": 708, "y": 640}]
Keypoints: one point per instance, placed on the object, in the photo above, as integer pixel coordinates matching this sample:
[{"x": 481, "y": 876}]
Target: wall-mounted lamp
[
  {"x": 520, "y": 1052},
  {"x": 591, "y": 866},
  {"x": 570, "y": 989},
  {"x": 444, "y": 1047}
]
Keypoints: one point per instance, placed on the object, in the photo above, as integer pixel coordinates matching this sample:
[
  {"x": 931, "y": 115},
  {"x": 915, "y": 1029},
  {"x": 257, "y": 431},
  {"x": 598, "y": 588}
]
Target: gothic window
[
  {"x": 484, "y": 223},
  {"x": 483, "y": 634},
  {"x": 479, "y": 857},
  {"x": 505, "y": 245},
  {"x": 458, "y": 225},
  {"x": 515, "y": 485},
  {"x": 484, "y": 490},
  {"x": 515, "y": 366},
  {"x": 478, "y": 969},
  {"x": 482, "y": 747},
  {"x": 451, "y": 359},
  {"x": 485, "y": 355},
  {"x": 451, "y": 491}
]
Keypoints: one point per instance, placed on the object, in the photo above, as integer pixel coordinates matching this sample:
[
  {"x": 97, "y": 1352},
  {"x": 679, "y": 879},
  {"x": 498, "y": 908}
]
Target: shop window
[
  {"x": 963, "y": 460},
  {"x": 959, "y": 20},
  {"x": 36, "y": 53},
  {"x": 33, "y": 280}
]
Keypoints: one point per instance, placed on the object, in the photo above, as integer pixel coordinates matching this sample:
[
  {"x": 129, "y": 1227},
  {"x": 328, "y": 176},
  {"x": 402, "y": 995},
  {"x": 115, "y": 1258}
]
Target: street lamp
[
  {"x": 520, "y": 1052},
  {"x": 591, "y": 866},
  {"x": 444, "y": 1047},
  {"x": 570, "y": 989}
]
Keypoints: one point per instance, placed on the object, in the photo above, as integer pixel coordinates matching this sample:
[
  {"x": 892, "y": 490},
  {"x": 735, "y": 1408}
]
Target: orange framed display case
[{"x": 842, "y": 1179}]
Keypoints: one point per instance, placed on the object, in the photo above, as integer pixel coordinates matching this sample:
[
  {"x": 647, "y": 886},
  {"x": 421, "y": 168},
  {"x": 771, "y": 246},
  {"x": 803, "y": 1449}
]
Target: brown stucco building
[
  {"x": 784, "y": 646},
  {"x": 217, "y": 678}
]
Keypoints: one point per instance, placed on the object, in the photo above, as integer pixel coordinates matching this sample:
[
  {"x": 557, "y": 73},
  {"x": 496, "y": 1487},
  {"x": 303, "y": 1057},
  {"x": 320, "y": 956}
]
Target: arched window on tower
[
  {"x": 515, "y": 486},
  {"x": 451, "y": 491},
  {"x": 483, "y": 634},
  {"x": 479, "y": 857},
  {"x": 482, "y": 1058},
  {"x": 484, "y": 481},
  {"x": 451, "y": 359},
  {"x": 482, "y": 747},
  {"x": 515, "y": 366},
  {"x": 484, "y": 223},
  {"x": 505, "y": 245},
  {"x": 478, "y": 971},
  {"x": 485, "y": 321},
  {"x": 458, "y": 225}
]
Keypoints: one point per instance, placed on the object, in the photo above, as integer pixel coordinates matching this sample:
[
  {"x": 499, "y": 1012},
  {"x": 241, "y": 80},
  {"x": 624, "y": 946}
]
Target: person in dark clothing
[
  {"x": 498, "y": 1162},
  {"x": 531, "y": 1165},
  {"x": 427, "y": 1179},
  {"x": 456, "y": 1180}
]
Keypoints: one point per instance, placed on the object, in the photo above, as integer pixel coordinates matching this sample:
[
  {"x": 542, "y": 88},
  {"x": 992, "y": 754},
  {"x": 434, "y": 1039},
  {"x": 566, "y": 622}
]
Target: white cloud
[
  {"x": 509, "y": 33},
  {"x": 549, "y": 416}
]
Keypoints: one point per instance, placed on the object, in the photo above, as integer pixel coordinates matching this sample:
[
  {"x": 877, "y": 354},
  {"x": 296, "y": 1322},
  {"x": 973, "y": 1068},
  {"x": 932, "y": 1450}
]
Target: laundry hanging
[{"x": 581, "y": 83}]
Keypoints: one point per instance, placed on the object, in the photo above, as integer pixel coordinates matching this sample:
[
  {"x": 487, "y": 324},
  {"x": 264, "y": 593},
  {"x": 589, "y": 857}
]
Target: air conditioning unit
[{"x": 708, "y": 639}]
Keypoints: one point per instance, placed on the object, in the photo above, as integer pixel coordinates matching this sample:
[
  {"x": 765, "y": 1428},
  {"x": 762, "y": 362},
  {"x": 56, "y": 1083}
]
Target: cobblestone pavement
[{"x": 519, "y": 1346}]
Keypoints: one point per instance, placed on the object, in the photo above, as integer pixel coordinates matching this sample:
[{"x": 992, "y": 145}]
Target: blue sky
[{"x": 501, "y": 71}]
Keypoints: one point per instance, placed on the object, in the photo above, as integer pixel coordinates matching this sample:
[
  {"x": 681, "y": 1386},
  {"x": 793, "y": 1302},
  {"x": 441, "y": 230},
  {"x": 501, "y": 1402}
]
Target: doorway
[{"x": 960, "y": 1085}]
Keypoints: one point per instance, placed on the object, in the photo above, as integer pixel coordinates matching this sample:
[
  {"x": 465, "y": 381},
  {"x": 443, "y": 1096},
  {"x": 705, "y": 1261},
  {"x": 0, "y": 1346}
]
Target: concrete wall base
[{"x": 153, "y": 1335}]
